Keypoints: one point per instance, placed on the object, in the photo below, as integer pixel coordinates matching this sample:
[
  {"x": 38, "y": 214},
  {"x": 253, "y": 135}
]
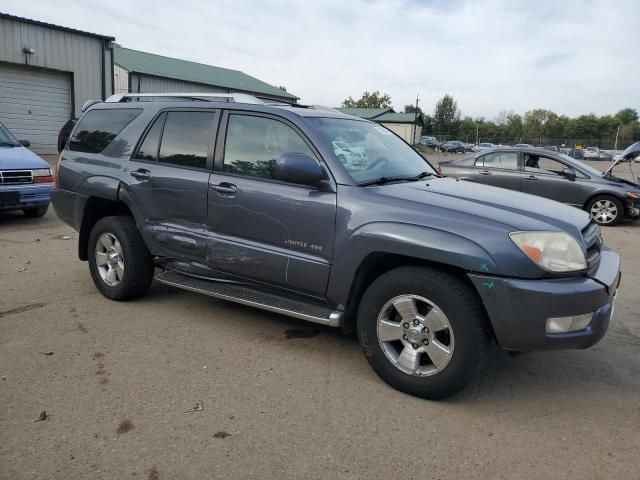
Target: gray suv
[{"x": 248, "y": 202}]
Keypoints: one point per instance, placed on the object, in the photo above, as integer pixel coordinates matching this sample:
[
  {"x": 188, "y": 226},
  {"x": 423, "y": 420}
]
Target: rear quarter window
[{"x": 98, "y": 128}]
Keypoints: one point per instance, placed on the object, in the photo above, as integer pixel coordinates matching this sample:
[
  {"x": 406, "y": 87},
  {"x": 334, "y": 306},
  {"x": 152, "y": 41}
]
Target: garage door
[{"x": 34, "y": 104}]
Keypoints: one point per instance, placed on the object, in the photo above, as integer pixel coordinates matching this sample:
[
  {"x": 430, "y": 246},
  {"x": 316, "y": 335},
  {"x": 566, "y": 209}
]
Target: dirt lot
[{"x": 178, "y": 385}]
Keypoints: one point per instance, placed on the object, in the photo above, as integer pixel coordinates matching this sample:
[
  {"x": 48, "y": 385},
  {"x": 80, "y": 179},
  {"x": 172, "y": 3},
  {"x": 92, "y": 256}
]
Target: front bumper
[
  {"x": 519, "y": 309},
  {"x": 29, "y": 196}
]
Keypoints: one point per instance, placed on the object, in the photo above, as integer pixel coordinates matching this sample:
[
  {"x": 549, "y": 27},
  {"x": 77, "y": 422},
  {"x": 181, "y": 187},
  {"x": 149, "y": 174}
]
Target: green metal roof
[
  {"x": 151, "y": 64},
  {"x": 392, "y": 117},
  {"x": 367, "y": 113}
]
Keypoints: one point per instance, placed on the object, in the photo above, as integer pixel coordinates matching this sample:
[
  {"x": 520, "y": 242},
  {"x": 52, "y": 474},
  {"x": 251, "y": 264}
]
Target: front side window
[
  {"x": 374, "y": 152},
  {"x": 537, "y": 164},
  {"x": 185, "y": 139},
  {"x": 503, "y": 160},
  {"x": 98, "y": 128},
  {"x": 253, "y": 145}
]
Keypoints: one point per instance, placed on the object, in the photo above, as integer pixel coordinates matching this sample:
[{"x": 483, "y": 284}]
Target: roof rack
[{"x": 205, "y": 97}]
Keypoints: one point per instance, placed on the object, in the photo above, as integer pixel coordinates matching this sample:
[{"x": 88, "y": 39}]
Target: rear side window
[
  {"x": 98, "y": 128},
  {"x": 504, "y": 160},
  {"x": 185, "y": 139}
]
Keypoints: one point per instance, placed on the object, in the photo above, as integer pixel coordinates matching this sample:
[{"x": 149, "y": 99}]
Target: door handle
[
  {"x": 225, "y": 189},
  {"x": 531, "y": 177},
  {"x": 485, "y": 172},
  {"x": 141, "y": 174}
]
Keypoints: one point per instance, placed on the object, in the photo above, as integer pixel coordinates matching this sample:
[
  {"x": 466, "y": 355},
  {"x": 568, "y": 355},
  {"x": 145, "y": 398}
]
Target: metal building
[
  {"x": 46, "y": 73},
  {"x": 140, "y": 72},
  {"x": 406, "y": 125}
]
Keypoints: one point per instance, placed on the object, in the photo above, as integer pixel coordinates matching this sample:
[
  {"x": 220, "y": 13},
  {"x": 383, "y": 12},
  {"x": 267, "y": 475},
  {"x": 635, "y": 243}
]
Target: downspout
[{"x": 102, "y": 71}]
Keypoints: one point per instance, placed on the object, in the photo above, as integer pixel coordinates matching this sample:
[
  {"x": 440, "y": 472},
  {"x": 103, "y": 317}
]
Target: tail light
[{"x": 42, "y": 175}]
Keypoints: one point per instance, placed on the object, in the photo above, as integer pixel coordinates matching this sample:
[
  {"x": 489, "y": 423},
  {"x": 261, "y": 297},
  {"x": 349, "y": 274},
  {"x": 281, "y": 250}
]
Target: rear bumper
[
  {"x": 519, "y": 309},
  {"x": 69, "y": 206},
  {"x": 29, "y": 196}
]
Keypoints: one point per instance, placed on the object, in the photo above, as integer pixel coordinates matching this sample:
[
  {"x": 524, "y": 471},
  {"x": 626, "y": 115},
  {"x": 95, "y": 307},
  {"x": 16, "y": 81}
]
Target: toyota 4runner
[{"x": 244, "y": 201}]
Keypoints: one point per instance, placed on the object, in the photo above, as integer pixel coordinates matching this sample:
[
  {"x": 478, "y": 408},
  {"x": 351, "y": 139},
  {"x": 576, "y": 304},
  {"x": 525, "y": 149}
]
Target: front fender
[{"x": 423, "y": 243}]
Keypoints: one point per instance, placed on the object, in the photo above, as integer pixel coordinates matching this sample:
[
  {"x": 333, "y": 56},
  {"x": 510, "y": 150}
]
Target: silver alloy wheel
[
  {"x": 415, "y": 335},
  {"x": 604, "y": 211},
  {"x": 109, "y": 259}
]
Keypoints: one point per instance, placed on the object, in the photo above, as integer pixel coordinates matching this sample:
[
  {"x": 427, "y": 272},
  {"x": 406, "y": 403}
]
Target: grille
[
  {"x": 593, "y": 242},
  {"x": 15, "y": 176}
]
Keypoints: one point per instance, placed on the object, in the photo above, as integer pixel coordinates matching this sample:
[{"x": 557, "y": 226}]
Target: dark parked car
[
  {"x": 553, "y": 175},
  {"x": 454, "y": 146},
  {"x": 249, "y": 202}
]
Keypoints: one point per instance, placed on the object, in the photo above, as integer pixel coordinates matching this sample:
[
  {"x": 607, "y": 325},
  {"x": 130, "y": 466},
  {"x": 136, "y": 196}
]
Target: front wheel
[
  {"x": 605, "y": 210},
  {"x": 422, "y": 331},
  {"x": 120, "y": 264}
]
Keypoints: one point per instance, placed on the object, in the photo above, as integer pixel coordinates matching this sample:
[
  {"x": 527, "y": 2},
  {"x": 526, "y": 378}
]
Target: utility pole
[
  {"x": 477, "y": 134},
  {"x": 415, "y": 117},
  {"x": 615, "y": 146}
]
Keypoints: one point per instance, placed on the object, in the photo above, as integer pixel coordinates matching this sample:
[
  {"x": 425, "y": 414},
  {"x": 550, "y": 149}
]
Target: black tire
[
  {"x": 35, "y": 212},
  {"x": 605, "y": 198},
  {"x": 456, "y": 300},
  {"x": 138, "y": 264}
]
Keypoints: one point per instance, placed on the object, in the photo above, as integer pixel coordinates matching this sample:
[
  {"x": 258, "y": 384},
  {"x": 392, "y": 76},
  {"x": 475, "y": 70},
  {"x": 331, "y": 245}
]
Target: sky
[{"x": 572, "y": 56}]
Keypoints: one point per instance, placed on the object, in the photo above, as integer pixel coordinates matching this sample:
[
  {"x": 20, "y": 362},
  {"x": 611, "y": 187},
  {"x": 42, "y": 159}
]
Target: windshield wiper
[{"x": 397, "y": 178}]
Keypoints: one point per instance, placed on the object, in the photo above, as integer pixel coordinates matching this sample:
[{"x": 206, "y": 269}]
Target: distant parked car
[
  {"x": 556, "y": 176},
  {"x": 453, "y": 146},
  {"x": 594, "y": 153},
  {"x": 430, "y": 142},
  {"x": 64, "y": 133},
  {"x": 481, "y": 147},
  {"x": 551, "y": 148},
  {"x": 523, "y": 145},
  {"x": 469, "y": 147},
  {"x": 349, "y": 154},
  {"x": 576, "y": 153},
  {"x": 26, "y": 181}
]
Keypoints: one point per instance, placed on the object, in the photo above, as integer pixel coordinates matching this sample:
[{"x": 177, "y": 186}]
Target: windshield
[
  {"x": 583, "y": 166},
  {"x": 383, "y": 154},
  {"x": 6, "y": 138}
]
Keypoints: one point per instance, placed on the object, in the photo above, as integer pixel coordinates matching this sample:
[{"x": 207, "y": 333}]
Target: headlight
[{"x": 553, "y": 251}]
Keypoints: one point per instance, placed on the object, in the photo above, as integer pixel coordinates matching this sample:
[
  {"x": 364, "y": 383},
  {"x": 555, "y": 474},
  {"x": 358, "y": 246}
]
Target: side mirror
[
  {"x": 570, "y": 174},
  {"x": 299, "y": 168},
  {"x": 25, "y": 143}
]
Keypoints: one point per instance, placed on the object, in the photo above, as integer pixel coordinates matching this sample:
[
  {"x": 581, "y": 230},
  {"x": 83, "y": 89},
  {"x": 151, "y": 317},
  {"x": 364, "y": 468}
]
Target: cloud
[{"x": 572, "y": 57}]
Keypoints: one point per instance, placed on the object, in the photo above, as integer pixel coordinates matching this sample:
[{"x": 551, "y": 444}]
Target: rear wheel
[
  {"x": 35, "y": 212},
  {"x": 422, "y": 331},
  {"x": 605, "y": 210},
  {"x": 120, "y": 264}
]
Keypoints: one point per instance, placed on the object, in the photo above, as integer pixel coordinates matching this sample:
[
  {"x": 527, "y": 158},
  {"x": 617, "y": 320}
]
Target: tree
[
  {"x": 626, "y": 116},
  {"x": 369, "y": 100},
  {"x": 446, "y": 116}
]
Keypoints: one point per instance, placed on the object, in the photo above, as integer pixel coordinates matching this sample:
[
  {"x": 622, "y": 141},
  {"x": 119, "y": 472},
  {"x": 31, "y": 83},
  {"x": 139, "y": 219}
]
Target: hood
[
  {"x": 16, "y": 158},
  {"x": 632, "y": 152},
  {"x": 518, "y": 211}
]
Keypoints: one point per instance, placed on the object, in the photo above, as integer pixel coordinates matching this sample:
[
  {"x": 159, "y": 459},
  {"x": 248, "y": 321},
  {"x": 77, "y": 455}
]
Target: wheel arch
[{"x": 95, "y": 209}]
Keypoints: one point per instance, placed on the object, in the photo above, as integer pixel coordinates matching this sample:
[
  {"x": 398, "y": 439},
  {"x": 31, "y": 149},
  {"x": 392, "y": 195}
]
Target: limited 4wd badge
[{"x": 299, "y": 244}]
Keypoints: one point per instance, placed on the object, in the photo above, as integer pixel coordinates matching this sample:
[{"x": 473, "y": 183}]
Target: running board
[{"x": 254, "y": 298}]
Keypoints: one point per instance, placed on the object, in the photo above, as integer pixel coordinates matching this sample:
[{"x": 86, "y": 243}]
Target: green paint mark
[
  {"x": 489, "y": 285},
  {"x": 484, "y": 267}
]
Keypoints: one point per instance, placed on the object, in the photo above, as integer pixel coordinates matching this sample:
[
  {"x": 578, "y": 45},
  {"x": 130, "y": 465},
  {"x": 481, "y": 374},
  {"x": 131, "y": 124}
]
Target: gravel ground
[{"x": 179, "y": 385}]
